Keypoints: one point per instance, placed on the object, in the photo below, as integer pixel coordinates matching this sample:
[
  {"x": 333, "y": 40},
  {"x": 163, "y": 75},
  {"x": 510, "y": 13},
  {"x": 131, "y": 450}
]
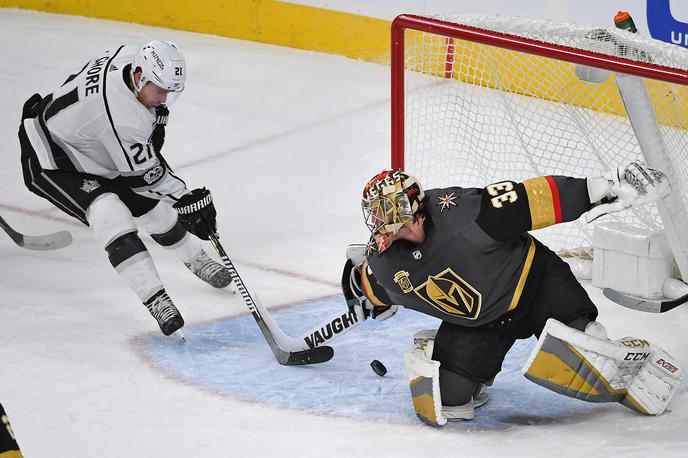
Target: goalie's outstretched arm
[{"x": 509, "y": 208}]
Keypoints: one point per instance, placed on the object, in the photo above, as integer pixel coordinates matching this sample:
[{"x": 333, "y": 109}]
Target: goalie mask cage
[{"x": 478, "y": 99}]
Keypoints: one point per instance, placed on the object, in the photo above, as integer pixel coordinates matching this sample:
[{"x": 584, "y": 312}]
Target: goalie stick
[
  {"x": 52, "y": 241},
  {"x": 643, "y": 305},
  {"x": 271, "y": 332},
  {"x": 317, "y": 336}
]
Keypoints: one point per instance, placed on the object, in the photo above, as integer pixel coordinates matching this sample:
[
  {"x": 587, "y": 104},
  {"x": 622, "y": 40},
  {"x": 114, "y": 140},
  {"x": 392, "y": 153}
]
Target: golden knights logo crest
[
  {"x": 401, "y": 278},
  {"x": 451, "y": 294}
]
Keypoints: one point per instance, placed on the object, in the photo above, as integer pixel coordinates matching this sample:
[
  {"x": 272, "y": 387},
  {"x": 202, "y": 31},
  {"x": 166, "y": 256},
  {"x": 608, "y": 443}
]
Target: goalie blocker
[{"x": 585, "y": 365}]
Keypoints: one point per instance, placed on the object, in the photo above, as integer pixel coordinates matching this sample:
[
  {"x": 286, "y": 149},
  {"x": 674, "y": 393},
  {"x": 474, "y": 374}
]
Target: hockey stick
[
  {"x": 318, "y": 335},
  {"x": 643, "y": 305},
  {"x": 284, "y": 356},
  {"x": 37, "y": 242}
]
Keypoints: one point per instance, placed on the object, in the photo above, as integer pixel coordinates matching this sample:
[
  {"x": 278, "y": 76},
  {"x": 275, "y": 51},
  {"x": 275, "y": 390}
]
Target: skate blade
[{"x": 180, "y": 336}]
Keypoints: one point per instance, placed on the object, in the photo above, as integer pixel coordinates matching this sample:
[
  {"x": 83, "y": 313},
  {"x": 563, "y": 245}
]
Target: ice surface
[{"x": 284, "y": 139}]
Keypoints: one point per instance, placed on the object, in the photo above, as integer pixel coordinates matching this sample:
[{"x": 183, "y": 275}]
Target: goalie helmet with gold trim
[{"x": 391, "y": 199}]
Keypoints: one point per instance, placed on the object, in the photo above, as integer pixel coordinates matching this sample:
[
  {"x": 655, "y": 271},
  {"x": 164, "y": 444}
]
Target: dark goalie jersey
[{"x": 477, "y": 254}]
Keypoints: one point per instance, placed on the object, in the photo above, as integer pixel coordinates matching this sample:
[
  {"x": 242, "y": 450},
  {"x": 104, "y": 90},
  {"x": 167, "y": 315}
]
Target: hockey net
[{"x": 479, "y": 99}]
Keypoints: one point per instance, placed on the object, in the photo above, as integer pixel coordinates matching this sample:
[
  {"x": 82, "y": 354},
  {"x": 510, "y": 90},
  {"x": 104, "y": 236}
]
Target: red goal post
[{"x": 469, "y": 90}]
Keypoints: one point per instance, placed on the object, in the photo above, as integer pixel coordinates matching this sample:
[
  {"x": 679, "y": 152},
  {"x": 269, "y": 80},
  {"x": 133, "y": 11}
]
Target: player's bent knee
[
  {"x": 109, "y": 218},
  {"x": 124, "y": 248},
  {"x": 160, "y": 219},
  {"x": 456, "y": 389}
]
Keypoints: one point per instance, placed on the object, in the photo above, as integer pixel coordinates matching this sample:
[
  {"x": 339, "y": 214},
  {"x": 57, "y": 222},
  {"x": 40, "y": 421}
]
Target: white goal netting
[{"x": 477, "y": 114}]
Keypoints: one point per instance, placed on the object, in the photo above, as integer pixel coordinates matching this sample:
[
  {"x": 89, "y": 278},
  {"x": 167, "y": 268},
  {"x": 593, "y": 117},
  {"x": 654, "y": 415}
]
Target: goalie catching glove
[
  {"x": 352, "y": 287},
  {"x": 197, "y": 213},
  {"x": 632, "y": 185}
]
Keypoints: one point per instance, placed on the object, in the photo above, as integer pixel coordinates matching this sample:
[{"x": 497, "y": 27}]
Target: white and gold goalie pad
[
  {"x": 424, "y": 379},
  {"x": 631, "y": 371}
]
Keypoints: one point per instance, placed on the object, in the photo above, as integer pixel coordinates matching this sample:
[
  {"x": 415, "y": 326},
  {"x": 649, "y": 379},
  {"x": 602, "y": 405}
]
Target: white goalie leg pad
[
  {"x": 582, "y": 365},
  {"x": 585, "y": 366},
  {"x": 109, "y": 218},
  {"x": 424, "y": 382}
]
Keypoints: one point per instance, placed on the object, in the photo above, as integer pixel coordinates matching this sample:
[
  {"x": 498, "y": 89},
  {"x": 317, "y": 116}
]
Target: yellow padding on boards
[
  {"x": 536, "y": 76},
  {"x": 366, "y": 38},
  {"x": 11, "y": 454},
  {"x": 264, "y": 21},
  {"x": 550, "y": 368}
]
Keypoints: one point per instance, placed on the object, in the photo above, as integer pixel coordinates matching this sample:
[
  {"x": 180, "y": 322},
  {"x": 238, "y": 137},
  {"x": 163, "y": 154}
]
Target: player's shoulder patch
[
  {"x": 452, "y": 208},
  {"x": 446, "y": 201}
]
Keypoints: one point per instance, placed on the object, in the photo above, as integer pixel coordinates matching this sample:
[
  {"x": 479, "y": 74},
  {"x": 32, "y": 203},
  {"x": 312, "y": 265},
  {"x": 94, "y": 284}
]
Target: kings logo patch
[
  {"x": 89, "y": 185},
  {"x": 451, "y": 294}
]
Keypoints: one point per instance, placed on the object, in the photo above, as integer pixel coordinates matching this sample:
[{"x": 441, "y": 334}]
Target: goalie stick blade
[
  {"x": 643, "y": 305},
  {"x": 315, "y": 355},
  {"x": 37, "y": 242},
  {"x": 285, "y": 357}
]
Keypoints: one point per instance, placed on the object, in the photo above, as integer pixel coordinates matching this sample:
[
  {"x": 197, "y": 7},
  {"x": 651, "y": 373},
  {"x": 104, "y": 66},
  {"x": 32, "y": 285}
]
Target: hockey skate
[
  {"x": 211, "y": 272},
  {"x": 163, "y": 310}
]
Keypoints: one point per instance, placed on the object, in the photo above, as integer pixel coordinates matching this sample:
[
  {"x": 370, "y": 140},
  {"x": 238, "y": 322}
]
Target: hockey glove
[
  {"x": 158, "y": 137},
  {"x": 161, "y": 115},
  {"x": 633, "y": 185},
  {"x": 356, "y": 300},
  {"x": 197, "y": 213}
]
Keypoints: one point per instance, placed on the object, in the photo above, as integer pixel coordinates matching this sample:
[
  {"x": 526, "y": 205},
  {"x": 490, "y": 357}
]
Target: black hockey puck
[{"x": 378, "y": 367}]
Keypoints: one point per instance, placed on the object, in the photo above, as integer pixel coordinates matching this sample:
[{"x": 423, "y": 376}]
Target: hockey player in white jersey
[{"x": 92, "y": 148}]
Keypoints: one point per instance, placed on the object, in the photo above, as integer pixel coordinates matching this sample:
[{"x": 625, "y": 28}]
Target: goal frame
[{"x": 501, "y": 40}]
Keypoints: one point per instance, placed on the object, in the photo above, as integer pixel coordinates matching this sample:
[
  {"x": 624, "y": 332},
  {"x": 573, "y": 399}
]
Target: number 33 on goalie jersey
[
  {"x": 477, "y": 254},
  {"x": 100, "y": 127}
]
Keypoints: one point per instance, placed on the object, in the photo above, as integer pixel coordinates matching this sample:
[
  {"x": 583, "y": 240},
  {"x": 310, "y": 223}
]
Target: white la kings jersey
[{"x": 98, "y": 126}]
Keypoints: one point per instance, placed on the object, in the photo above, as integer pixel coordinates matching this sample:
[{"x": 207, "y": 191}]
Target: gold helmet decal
[
  {"x": 391, "y": 199},
  {"x": 451, "y": 294}
]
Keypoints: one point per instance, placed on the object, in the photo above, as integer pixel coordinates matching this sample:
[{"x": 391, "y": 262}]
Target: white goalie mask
[{"x": 162, "y": 64}]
